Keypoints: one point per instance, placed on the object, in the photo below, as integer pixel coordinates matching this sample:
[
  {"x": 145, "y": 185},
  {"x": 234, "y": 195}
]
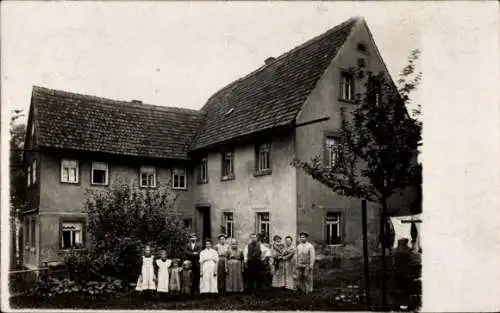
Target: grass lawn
[{"x": 333, "y": 290}]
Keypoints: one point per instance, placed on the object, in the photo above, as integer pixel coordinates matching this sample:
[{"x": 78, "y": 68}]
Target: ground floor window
[
  {"x": 333, "y": 230},
  {"x": 71, "y": 235},
  {"x": 263, "y": 225},
  {"x": 188, "y": 223},
  {"x": 228, "y": 224}
]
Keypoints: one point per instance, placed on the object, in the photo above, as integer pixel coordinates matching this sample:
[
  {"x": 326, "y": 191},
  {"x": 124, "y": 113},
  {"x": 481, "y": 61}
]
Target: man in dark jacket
[
  {"x": 193, "y": 249},
  {"x": 252, "y": 254}
]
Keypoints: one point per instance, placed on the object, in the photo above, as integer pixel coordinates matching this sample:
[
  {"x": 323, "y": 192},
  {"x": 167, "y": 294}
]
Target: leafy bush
[{"x": 122, "y": 220}]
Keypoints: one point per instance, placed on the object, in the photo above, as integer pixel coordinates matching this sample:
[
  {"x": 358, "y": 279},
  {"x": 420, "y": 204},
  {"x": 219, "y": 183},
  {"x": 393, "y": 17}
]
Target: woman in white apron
[{"x": 208, "y": 268}]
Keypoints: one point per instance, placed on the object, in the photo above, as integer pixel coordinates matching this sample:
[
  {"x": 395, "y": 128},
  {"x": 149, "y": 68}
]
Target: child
[
  {"x": 147, "y": 280},
  {"x": 163, "y": 276},
  {"x": 175, "y": 279},
  {"x": 186, "y": 278}
]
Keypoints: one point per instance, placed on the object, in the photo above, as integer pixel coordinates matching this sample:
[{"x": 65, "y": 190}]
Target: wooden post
[{"x": 365, "y": 254}]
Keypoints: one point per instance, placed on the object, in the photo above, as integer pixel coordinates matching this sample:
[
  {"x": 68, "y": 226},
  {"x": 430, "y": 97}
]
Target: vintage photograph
[{"x": 265, "y": 158}]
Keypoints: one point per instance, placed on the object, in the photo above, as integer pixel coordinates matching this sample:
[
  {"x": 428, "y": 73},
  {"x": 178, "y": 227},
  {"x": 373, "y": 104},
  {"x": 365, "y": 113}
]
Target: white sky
[{"x": 175, "y": 54}]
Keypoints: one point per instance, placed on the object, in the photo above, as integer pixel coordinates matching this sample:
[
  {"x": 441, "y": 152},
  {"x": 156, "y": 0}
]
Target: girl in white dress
[
  {"x": 163, "y": 275},
  {"x": 147, "y": 280},
  {"x": 208, "y": 268}
]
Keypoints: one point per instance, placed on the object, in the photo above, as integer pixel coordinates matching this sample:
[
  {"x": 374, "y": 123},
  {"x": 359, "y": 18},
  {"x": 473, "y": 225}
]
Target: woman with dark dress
[
  {"x": 234, "y": 269},
  {"x": 222, "y": 249}
]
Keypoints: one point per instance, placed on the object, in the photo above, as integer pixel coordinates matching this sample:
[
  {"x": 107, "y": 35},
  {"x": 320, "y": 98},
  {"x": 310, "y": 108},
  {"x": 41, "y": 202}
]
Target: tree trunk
[{"x": 383, "y": 246}]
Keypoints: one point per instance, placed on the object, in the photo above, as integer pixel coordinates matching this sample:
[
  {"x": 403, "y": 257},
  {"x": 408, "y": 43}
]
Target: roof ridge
[
  {"x": 109, "y": 101},
  {"x": 285, "y": 54}
]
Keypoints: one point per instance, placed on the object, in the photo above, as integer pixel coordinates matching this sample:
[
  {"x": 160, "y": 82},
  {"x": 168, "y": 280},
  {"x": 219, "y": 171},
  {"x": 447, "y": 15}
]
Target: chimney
[
  {"x": 136, "y": 102},
  {"x": 269, "y": 60}
]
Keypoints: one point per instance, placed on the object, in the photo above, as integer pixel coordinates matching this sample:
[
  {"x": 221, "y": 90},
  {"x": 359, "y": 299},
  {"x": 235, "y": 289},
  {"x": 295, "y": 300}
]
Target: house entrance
[{"x": 204, "y": 222}]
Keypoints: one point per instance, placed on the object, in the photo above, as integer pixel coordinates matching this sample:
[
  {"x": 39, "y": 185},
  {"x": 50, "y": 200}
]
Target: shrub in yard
[
  {"x": 123, "y": 219},
  {"x": 80, "y": 266}
]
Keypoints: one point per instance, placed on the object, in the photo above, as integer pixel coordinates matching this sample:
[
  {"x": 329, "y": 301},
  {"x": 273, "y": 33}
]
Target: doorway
[{"x": 204, "y": 222}]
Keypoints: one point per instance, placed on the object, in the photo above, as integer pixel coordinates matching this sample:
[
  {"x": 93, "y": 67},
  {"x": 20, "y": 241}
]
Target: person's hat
[
  {"x": 276, "y": 237},
  {"x": 304, "y": 234},
  {"x": 193, "y": 235},
  {"x": 222, "y": 236}
]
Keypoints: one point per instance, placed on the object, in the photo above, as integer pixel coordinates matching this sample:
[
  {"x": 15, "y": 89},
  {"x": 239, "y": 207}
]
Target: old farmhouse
[{"x": 229, "y": 161}]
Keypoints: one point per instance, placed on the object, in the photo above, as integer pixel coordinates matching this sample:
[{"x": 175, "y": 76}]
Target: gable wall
[{"x": 313, "y": 198}]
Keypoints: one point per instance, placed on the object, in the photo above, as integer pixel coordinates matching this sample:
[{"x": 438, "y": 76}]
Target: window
[
  {"x": 28, "y": 176},
  {"x": 179, "y": 179},
  {"x": 332, "y": 151},
  {"x": 33, "y": 172},
  {"x": 361, "y": 47},
  {"x": 188, "y": 223},
  {"x": 71, "y": 235},
  {"x": 228, "y": 224},
  {"x": 203, "y": 171},
  {"x": 264, "y": 158},
  {"x": 263, "y": 225},
  {"x": 333, "y": 229},
  {"x": 69, "y": 171},
  {"x": 99, "y": 173},
  {"x": 33, "y": 233},
  {"x": 148, "y": 176},
  {"x": 347, "y": 86},
  {"x": 227, "y": 165}
]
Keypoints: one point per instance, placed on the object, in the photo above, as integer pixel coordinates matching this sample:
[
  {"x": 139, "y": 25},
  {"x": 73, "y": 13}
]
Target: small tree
[
  {"x": 123, "y": 219},
  {"x": 379, "y": 141},
  {"x": 17, "y": 176}
]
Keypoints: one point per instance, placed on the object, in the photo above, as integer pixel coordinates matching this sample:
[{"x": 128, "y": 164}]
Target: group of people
[{"x": 225, "y": 268}]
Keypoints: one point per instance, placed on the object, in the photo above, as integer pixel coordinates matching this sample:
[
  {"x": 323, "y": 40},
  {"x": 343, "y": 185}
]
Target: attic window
[
  {"x": 229, "y": 112},
  {"x": 361, "y": 47}
]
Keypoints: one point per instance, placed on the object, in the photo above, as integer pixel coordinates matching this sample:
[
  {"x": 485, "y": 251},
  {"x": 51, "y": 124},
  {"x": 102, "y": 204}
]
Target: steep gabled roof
[
  {"x": 272, "y": 95},
  {"x": 87, "y": 123}
]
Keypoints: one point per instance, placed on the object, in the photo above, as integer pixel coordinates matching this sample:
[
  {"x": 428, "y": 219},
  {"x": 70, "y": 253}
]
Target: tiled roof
[
  {"x": 272, "y": 95},
  {"x": 73, "y": 121},
  {"x": 267, "y": 98}
]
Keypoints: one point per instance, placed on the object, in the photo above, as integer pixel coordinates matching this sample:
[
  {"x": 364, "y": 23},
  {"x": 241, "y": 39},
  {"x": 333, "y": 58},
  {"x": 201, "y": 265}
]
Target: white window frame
[
  {"x": 346, "y": 86},
  {"x": 180, "y": 172},
  {"x": 264, "y": 156},
  {"x": 33, "y": 172},
  {"x": 228, "y": 156},
  {"x": 228, "y": 222},
  {"x": 73, "y": 238},
  {"x": 150, "y": 171},
  {"x": 263, "y": 224},
  {"x": 76, "y": 168},
  {"x": 330, "y": 224},
  {"x": 332, "y": 150},
  {"x": 102, "y": 166}
]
